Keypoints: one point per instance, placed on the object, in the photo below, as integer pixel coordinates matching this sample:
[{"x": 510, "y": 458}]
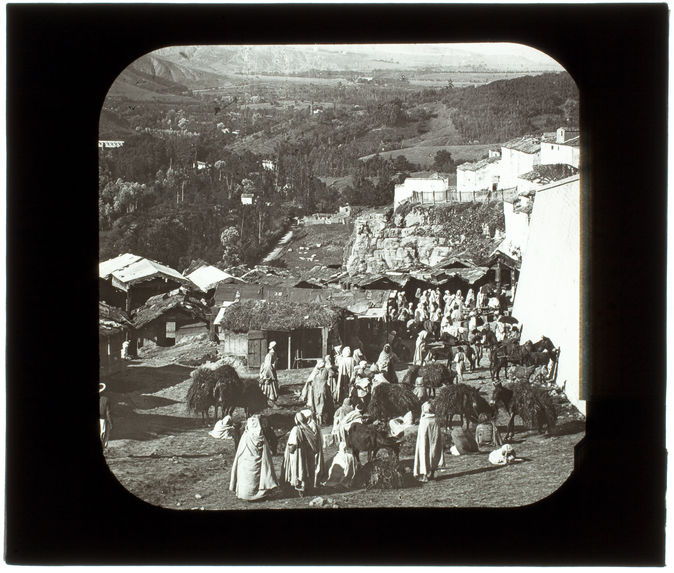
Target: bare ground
[{"x": 164, "y": 455}]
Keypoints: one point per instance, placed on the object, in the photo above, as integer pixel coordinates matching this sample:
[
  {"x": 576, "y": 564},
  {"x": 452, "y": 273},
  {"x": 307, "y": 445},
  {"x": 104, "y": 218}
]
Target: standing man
[
  {"x": 104, "y": 414},
  {"x": 268, "y": 377}
]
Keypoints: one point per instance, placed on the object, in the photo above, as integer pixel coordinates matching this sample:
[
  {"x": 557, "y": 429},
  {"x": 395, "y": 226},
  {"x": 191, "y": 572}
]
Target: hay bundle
[
  {"x": 462, "y": 400},
  {"x": 228, "y": 384},
  {"x": 200, "y": 393},
  {"x": 392, "y": 400},
  {"x": 383, "y": 474},
  {"x": 450, "y": 401},
  {"x": 534, "y": 406},
  {"x": 436, "y": 375},
  {"x": 522, "y": 373},
  {"x": 411, "y": 375}
]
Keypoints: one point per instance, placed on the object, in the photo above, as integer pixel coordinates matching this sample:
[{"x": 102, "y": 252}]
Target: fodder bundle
[
  {"x": 462, "y": 400},
  {"x": 436, "y": 375},
  {"x": 383, "y": 474},
  {"x": 534, "y": 406},
  {"x": 392, "y": 400},
  {"x": 202, "y": 392}
]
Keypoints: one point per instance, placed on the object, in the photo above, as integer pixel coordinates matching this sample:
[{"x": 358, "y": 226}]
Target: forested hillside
[{"x": 173, "y": 191}]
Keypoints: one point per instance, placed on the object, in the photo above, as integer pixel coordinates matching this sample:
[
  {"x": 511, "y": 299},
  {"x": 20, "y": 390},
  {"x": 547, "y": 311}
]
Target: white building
[
  {"x": 426, "y": 185},
  {"x": 548, "y": 298},
  {"x": 518, "y": 156},
  {"x": 478, "y": 175},
  {"x": 268, "y": 165},
  {"x": 109, "y": 144},
  {"x": 564, "y": 148}
]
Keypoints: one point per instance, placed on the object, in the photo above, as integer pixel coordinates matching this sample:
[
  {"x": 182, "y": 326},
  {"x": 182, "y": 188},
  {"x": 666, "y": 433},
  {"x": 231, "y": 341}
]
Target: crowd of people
[
  {"x": 337, "y": 392},
  {"x": 439, "y": 313}
]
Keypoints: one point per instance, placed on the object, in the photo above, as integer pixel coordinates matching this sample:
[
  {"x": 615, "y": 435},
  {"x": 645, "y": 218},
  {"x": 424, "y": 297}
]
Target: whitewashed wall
[
  {"x": 515, "y": 163},
  {"x": 516, "y": 225},
  {"x": 548, "y": 297},
  {"x": 556, "y": 153},
  {"x": 404, "y": 191}
]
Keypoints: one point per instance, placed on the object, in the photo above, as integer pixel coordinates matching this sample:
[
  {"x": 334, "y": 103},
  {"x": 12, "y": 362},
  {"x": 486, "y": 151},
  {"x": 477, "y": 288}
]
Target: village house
[
  {"x": 303, "y": 331},
  {"x": 207, "y": 277},
  {"x": 128, "y": 280},
  {"x": 268, "y": 165},
  {"x": 518, "y": 156},
  {"x": 563, "y": 148},
  {"x": 109, "y": 144},
  {"x": 168, "y": 317},
  {"x": 114, "y": 326},
  {"x": 422, "y": 189},
  {"x": 477, "y": 176},
  {"x": 325, "y": 218},
  {"x": 517, "y": 210}
]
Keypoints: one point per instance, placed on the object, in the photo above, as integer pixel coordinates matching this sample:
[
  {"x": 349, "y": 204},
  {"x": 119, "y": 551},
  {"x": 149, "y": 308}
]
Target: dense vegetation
[{"x": 173, "y": 191}]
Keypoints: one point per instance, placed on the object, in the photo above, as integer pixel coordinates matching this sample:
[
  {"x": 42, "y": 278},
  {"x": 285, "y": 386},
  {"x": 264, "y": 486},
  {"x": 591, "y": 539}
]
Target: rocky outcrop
[{"x": 417, "y": 235}]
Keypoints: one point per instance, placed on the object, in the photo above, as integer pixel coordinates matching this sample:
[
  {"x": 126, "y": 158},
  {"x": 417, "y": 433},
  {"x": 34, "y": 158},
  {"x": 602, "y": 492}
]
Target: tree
[
  {"x": 443, "y": 162},
  {"x": 231, "y": 254}
]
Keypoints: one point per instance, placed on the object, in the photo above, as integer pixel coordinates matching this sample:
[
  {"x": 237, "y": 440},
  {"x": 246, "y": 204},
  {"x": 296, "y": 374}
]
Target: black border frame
[{"x": 63, "y": 506}]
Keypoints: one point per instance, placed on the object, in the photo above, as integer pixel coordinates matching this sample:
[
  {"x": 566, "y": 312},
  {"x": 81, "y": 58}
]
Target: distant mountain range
[
  {"x": 175, "y": 71},
  {"x": 357, "y": 58}
]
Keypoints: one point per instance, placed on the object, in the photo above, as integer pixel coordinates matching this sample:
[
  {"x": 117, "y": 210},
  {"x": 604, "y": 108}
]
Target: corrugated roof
[
  {"x": 145, "y": 269},
  {"x": 106, "y": 268},
  {"x": 526, "y": 144},
  {"x": 477, "y": 165},
  {"x": 208, "y": 276}
]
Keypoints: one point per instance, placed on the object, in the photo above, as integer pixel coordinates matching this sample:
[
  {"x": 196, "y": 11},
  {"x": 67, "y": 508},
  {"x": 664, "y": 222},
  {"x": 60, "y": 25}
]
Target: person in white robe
[
  {"x": 319, "y": 395},
  {"x": 429, "y": 454},
  {"x": 253, "y": 475},
  {"x": 420, "y": 348},
  {"x": 226, "y": 430},
  {"x": 343, "y": 468},
  {"x": 340, "y": 414},
  {"x": 299, "y": 464},
  {"x": 344, "y": 375},
  {"x": 268, "y": 377},
  {"x": 503, "y": 456},
  {"x": 353, "y": 417}
]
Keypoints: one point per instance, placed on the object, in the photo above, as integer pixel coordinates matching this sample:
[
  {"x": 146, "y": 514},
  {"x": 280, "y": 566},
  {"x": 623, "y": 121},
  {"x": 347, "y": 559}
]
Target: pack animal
[
  {"x": 464, "y": 401},
  {"x": 531, "y": 404},
  {"x": 367, "y": 438}
]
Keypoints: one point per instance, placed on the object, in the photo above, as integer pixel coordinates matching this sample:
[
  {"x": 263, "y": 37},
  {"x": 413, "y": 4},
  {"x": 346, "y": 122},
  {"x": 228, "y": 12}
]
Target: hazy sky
[{"x": 487, "y": 49}]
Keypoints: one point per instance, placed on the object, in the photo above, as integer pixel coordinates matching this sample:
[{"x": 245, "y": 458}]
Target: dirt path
[{"x": 164, "y": 455}]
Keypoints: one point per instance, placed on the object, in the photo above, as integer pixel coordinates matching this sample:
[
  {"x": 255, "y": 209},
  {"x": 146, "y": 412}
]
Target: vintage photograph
[{"x": 341, "y": 276}]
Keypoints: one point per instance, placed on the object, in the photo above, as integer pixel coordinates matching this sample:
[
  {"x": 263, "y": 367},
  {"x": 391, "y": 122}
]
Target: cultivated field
[{"x": 164, "y": 455}]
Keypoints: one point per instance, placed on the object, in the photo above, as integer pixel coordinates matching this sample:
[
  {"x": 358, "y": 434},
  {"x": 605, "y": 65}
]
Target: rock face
[{"x": 421, "y": 235}]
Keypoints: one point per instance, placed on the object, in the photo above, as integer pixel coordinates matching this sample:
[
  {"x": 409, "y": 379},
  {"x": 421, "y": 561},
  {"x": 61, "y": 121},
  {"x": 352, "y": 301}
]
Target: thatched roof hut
[
  {"x": 278, "y": 315},
  {"x": 301, "y": 330},
  {"x": 112, "y": 319},
  {"x": 175, "y": 301}
]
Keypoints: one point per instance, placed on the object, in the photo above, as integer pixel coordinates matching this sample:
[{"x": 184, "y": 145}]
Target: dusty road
[{"x": 164, "y": 455}]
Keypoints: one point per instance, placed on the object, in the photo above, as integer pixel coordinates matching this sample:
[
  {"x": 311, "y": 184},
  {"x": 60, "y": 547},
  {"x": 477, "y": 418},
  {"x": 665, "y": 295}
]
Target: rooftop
[
  {"x": 526, "y": 144},
  {"x": 477, "y": 165},
  {"x": 207, "y": 277},
  {"x": 129, "y": 269}
]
